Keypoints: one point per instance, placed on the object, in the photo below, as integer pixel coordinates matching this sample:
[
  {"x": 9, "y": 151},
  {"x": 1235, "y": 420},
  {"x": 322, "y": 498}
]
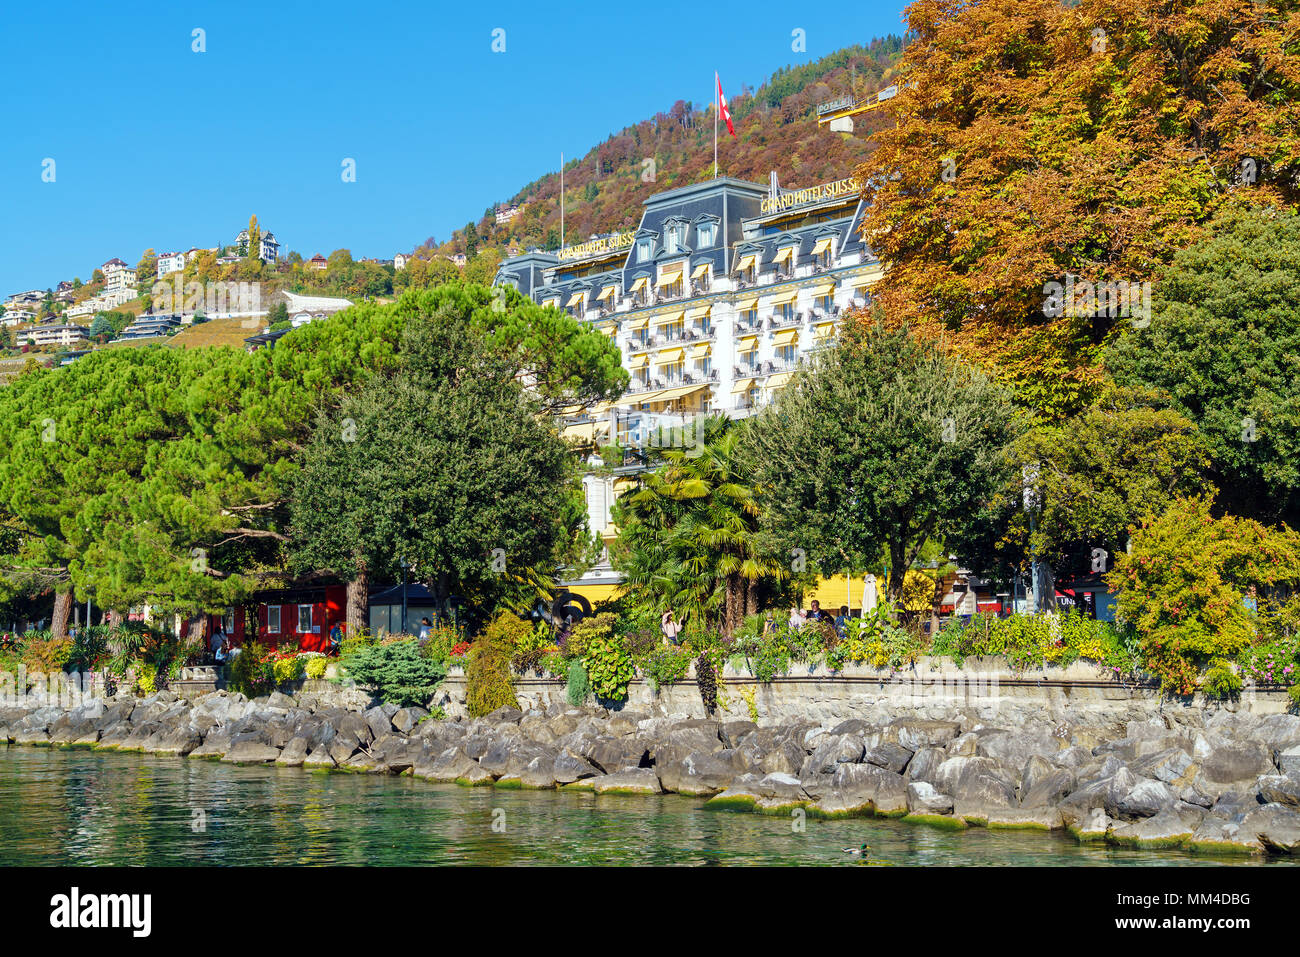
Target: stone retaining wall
[{"x": 815, "y": 694}]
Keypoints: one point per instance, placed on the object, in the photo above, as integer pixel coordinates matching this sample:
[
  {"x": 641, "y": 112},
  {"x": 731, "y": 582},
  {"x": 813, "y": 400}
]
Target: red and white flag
[{"x": 722, "y": 106}]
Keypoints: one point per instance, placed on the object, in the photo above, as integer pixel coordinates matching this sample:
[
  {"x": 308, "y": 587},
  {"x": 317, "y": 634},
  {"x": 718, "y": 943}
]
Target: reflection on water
[{"x": 81, "y": 807}]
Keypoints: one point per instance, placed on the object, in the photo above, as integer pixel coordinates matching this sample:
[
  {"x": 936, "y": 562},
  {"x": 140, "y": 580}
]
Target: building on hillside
[
  {"x": 106, "y": 301},
  {"x": 57, "y": 334},
  {"x": 119, "y": 281},
  {"x": 268, "y": 248},
  {"x": 304, "y": 309},
  {"x": 400, "y": 260},
  {"x": 29, "y": 297},
  {"x": 64, "y": 286},
  {"x": 170, "y": 262},
  {"x": 146, "y": 327},
  {"x": 721, "y": 294},
  {"x": 17, "y": 317},
  {"x": 506, "y": 213},
  {"x": 318, "y": 262}
]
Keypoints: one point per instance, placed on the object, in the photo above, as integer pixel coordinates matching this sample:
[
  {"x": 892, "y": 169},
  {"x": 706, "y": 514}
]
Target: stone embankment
[{"x": 1209, "y": 782}]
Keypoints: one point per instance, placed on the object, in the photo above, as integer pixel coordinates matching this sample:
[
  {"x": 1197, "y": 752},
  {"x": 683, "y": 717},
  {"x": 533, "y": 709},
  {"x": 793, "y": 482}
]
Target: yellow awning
[
  {"x": 778, "y": 380},
  {"x": 640, "y": 284},
  {"x": 825, "y": 330},
  {"x": 669, "y": 394},
  {"x": 551, "y": 302},
  {"x": 785, "y": 337},
  {"x": 600, "y": 408},
  {"x": 700, "y": 351},
  {"x": 699, "y": 312},
  {"x": 746, "y": 343},
  {"x": 699, "y": 270},
  {"x": 576, "y": 298},
  {"x": 822, "y": 245},
  {"x": 823, "y": 289},
  {"x": 607, "y": 292},
  {"x": 669, "y": 276},
  {"x": 579, "y": 433},
  {"x": 670, "y": 355},
  {"x": 744, "y": 305},
  {"x": 784, "y": 253},
  {"x": 637, "y": 324},
  {"x": 781, "y": 298},
  {"x": 742, "y": 385},
  {"x": 668, "y": 318},
  {"x": 637, "y": 399},
  {"x": 746, "y": 261},
  {"x": 639, "y": 361},
  {"x": 609, "y": 329}
]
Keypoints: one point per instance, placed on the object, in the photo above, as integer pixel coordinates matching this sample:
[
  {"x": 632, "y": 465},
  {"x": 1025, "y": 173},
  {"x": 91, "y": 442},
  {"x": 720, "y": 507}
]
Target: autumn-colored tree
[{"x": 1034, "y": 141}]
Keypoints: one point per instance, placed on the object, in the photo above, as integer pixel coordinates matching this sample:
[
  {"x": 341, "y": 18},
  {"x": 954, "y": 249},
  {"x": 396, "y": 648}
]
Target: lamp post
[
  {"x": 1029, "y": 478},
  {"x": 405, "y": 566}
]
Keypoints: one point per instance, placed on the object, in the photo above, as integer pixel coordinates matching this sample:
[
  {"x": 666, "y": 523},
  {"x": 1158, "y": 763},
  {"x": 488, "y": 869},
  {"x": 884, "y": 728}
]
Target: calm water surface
[{"x": 82, "y": 807}]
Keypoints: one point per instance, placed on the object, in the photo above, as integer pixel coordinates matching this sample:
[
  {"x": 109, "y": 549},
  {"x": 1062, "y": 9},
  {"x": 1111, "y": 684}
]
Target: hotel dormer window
[
  {"x": 674, "y": 237},
  {"x": 707, "y": 234},
  {"x": 643, "y": 249}
]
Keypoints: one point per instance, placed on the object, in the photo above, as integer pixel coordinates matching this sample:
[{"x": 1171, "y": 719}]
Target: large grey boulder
[
  {"x": 1288, "y": 761},
  {"x": 925, "y": 764},
  {"x": 1013, "y": 749},
  {"x": 831, "y": 751},
  {"x": 1222, "y": 766},
  {"x": 570, "y": 766},
  {"x": 615, "y": 754},
  {"x": 976, "y": 785},
  {"x": 1147, "y": 798},
  {"x": 696, "y": 774},
  {"x": 1173, "y": 826},
  {"x": 629, "y": 781},
  {"x": 917, "y": 733},
  {"x": 405, "y": 719},
  {"x": 215, "y": 745},
  {"x": 250, "y": 752},
  {"x": 447, "y": 766},
  {"x": 177, "y": 741},
  {"x": 379, "y": 722},
  {"x": 889, "y": 755},
  {"x": 1279, "y": 789},
  {"x": 294, "y": 753},
  {"x": 922, "y": 798},
  {"x": 1043, "y": 784},
  {"x": 1173, "y": 766},
  {"x": 864, "y": 789}
]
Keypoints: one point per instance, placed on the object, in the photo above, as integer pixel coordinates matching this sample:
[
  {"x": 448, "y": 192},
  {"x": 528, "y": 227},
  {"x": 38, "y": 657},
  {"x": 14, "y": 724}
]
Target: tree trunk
[
  {"x": 196, "y": 637},
  {"x": 359, "y": 600},
  {"x": 751, "y": 597},
  {"x": 62, "y": 609}
]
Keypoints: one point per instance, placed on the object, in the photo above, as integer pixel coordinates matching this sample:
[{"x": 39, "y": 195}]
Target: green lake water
[{"x": 88, "y": 808}]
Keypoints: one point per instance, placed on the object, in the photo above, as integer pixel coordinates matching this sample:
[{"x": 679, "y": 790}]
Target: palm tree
[{"x": 690, "y": 533}]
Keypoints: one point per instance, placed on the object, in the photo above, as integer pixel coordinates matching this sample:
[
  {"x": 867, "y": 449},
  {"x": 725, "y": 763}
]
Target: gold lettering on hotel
[
  {"x": 813, "y": 194},
  {"x": 595, "y": 247}
]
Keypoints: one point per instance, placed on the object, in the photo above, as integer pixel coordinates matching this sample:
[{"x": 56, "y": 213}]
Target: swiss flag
[{"x": 722, "y": 106}]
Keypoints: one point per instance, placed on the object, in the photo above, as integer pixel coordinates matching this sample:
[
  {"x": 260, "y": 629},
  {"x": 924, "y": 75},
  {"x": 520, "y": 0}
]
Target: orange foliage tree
[{"x": 1034, "y": 142}]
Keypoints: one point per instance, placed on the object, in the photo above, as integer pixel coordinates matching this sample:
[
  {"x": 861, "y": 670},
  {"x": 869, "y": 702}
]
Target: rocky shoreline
[{"x": 1221, "y": 782}]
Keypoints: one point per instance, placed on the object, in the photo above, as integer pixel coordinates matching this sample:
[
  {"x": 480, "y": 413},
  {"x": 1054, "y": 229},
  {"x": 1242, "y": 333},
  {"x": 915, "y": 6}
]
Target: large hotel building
[{"x": 714, "y": 300}]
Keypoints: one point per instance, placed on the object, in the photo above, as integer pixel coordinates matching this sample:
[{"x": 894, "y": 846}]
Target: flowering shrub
[
  {"x": 609, "y": 667},
  {"x": 1273, "y": 663}
]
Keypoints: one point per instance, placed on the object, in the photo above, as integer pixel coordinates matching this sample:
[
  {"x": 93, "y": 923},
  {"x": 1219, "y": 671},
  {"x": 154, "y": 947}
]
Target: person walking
[
  {"x": 425, "y": 627},
  {"x": 669, "y": 626}
]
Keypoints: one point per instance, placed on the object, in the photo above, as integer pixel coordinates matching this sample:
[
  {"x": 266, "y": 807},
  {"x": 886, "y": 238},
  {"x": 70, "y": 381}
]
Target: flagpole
[
  {"x": 561, "y": 200},
  {"x": 717, "y": 108}
]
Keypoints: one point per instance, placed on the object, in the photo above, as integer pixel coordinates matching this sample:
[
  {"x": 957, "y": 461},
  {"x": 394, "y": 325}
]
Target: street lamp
[{"x": 405, "y": 566}]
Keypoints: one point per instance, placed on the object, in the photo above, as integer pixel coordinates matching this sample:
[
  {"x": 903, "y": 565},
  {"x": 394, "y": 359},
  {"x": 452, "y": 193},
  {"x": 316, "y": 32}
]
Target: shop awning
[
  {"x": 822, "y": 245},
  {"x": 607, "y": 292},
  {"x": 669, "y": 276},
  {"x": 669, "y": 394},
  {"x": 700, "y": 351},
  {"x": 785, "y": 337},
  {"x": 823, "y": 289},
  {"x": 784, "y": 253},
  {"x": 670, "y": 355},
  {"x": 699, "y": 270},
  {"x": 781, "y": 298},
  {"x": 742, "y": 385},
  {"x": 699, "y": 312},
  {"x": 576, "y": 297},
  {"x": 581, "y": 433},
  {"x": 640, "y": 284},
  {"x": 746, "y": 261},
  {"x": 778, "y": 380},
  {"x": 744, "y": 305},
  {"x": 637, "y": 324}
]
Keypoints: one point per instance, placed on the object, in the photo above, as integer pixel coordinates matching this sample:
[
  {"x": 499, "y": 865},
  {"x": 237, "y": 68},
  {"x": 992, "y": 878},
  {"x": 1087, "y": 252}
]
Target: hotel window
[
  {"x": 786, "y": 354},
  {"x": 824, "y": 303},
  {"x": 704, "y": 366},
  {"x": 674, "y": 237},
  {"x": 749, "y": 360},
  {"x": 706, "y": 234},
  {"x": 673, "y": 371},
  {"x": 673, "y": 330},
  {"x": 749, "y": 317},
  {"x": 304, "y": 619},
  {"x": 785, "y": 311},
  {"x": 643, "y": 251},
  {"x": 273, "y": 619}
]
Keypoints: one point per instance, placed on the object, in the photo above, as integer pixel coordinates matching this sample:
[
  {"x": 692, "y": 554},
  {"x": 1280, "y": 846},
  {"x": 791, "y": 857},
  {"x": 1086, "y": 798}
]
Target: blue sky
[{"x": 155, "y": 145}]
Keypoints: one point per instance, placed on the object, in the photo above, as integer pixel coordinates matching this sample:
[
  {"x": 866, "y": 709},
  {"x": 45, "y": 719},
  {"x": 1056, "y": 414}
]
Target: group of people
[{"x": 671, "y": 628}]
